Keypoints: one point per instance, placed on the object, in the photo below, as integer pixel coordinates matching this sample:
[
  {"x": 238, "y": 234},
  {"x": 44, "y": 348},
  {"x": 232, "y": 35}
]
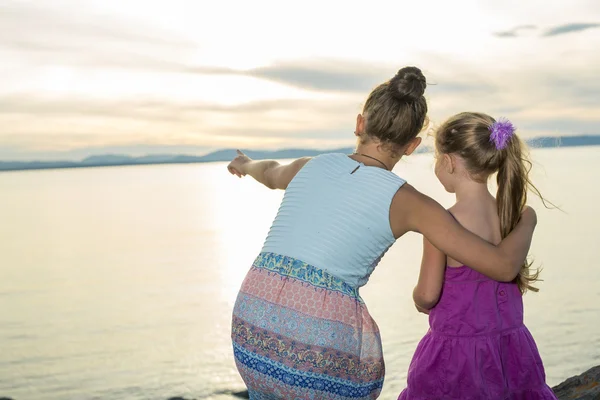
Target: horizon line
[{"x": 221, "y": 155}]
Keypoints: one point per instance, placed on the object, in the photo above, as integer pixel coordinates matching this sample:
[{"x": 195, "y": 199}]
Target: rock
[
  {"x": 241, "y": 395},
  {"x": 582, "y": 387}
]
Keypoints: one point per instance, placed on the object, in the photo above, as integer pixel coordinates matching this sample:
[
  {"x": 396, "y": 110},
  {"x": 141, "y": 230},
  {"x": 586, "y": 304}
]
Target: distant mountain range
[{"x": 228, "y": 154}]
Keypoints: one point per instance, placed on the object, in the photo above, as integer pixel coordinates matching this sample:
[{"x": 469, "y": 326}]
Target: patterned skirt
[{"x": 301, "y": 333}]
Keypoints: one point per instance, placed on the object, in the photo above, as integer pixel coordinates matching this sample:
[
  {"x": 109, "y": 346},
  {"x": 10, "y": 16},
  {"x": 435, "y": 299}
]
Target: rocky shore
[{"x": 581, "y": 387}]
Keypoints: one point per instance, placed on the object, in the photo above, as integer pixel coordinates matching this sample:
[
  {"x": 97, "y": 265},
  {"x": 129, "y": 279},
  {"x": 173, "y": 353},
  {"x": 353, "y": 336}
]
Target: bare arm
[
  {"x": 421, "y": 309},
  {"x": 413, "y": 211},
  {"x": 431, "y": 277},
  {"x": 268, "y": 172}
]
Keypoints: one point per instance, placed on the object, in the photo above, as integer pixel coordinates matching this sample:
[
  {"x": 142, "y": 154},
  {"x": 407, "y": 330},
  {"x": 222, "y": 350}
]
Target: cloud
[
  {"x": 553, "y": 100},
  {"x": 42, "y": 125},
  {"x": 326, "y": 76},
  {"x": 318, "y": 75},
  {"x": 63, "y": 146},
  {"x": 514, "y": 32},
  {"x": 125, "y": 84},
  {"x": 45, "y": 36},
  {"x": 569, "y": 28},
  {"x": 561, "y": 125},
  {"x": 332, "y": 76},
  {"x": 153, "y": 110},
  {"x": 541, "y": 98},
  {"x": 54, "y": 36},
  {"x": 554, "y": 31}
]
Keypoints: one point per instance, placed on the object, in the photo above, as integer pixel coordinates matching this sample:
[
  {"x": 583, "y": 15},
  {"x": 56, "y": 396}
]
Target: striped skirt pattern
[{"x": 301, "y": 333}]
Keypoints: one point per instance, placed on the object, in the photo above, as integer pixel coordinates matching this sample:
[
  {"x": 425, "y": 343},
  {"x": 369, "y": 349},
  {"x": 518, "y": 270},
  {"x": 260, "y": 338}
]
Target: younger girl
[{"x": 477, "y": 346}]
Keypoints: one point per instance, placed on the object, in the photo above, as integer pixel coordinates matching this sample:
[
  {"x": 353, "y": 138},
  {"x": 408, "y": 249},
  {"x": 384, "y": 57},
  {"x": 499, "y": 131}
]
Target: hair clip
[{"x": 501, "y": 132}]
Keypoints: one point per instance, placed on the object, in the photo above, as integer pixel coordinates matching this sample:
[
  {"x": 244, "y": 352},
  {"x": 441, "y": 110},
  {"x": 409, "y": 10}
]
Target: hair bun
[{"x": 408, "y": 85}]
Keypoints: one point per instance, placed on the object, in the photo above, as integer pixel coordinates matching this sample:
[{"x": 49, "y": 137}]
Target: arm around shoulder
[{"x": 413, "y": 211}]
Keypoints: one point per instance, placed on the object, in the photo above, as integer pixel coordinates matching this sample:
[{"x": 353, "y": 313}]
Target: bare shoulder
[
  {"x": 481, "y": 218},
  {"x": 301, "y": 162},
  {"x": 280, "y": 176},
  {"x": 405, "y": 193},
  {"x": 295, "y": 166},
  {"x": 407, "y": 197},
  {"x": 459, "y": 211},
  {"x": 467, "y": 214}
]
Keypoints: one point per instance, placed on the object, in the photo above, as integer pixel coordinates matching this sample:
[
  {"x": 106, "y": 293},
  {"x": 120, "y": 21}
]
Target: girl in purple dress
[{"x": 477, "y": 346}]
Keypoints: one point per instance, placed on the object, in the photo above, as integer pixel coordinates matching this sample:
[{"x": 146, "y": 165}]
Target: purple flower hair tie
[{"x": 501, "y": 132}]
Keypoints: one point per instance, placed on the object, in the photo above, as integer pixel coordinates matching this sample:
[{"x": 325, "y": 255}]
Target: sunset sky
[{"x": 89, "y": 77}]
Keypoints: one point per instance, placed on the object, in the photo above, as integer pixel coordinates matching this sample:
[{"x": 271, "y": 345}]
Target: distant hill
[
  {"x": 564, "y": 141},
  {"x": 228, "y": 154}
]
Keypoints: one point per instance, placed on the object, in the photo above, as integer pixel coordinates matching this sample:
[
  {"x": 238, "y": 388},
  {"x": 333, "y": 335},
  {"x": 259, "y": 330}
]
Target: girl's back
[{"x": 471, "y": 303}]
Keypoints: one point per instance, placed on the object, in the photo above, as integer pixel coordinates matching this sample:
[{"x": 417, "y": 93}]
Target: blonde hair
[{"x": 468, "y": 135}]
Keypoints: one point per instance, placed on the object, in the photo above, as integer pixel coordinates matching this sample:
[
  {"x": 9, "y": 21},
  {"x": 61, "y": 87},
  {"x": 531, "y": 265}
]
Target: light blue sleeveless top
[{"x": 336, "y": 217}]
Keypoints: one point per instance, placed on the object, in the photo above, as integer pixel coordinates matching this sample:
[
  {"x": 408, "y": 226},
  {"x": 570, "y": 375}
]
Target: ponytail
[{"x": 513, "y": 184}]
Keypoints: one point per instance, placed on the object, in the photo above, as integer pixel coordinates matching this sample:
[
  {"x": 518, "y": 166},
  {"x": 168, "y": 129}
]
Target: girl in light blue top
[{"x": 300, "y": 330}]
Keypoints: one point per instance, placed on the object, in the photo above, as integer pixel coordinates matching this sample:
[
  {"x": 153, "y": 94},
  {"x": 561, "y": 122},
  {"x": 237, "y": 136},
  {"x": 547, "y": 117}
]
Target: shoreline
[
  {"x": 585, "y": 386},
  {"x": 19, "y": 166}
]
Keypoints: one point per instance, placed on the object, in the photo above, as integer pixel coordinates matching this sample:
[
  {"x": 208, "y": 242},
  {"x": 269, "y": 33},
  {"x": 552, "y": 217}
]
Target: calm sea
[{"x": 118, "y": 283}]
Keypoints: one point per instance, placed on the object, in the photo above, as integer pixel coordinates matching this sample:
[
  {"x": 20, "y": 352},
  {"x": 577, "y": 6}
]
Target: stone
[
  {"x": 582, "y": 387},
  {"x": 242, "y": 395}
]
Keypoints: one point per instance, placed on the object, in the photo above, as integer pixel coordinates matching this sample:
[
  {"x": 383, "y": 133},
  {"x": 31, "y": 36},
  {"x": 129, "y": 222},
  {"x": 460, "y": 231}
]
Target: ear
[
  {"x": 412, "y": 146},
  {"x": 360, "y": 125}
]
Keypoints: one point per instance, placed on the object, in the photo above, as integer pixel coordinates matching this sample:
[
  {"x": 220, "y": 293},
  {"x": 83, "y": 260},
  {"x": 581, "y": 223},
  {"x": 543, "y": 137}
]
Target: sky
[{"x": 84, "y": 77}]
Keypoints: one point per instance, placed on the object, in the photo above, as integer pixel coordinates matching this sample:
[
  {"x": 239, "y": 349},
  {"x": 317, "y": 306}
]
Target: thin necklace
[{"x": 373, "y": 158}]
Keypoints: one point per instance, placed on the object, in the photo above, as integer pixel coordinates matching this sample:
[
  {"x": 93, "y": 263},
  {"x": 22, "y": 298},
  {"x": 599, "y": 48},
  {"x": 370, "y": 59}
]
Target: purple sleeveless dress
[{"x": 477, "y": 346}]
